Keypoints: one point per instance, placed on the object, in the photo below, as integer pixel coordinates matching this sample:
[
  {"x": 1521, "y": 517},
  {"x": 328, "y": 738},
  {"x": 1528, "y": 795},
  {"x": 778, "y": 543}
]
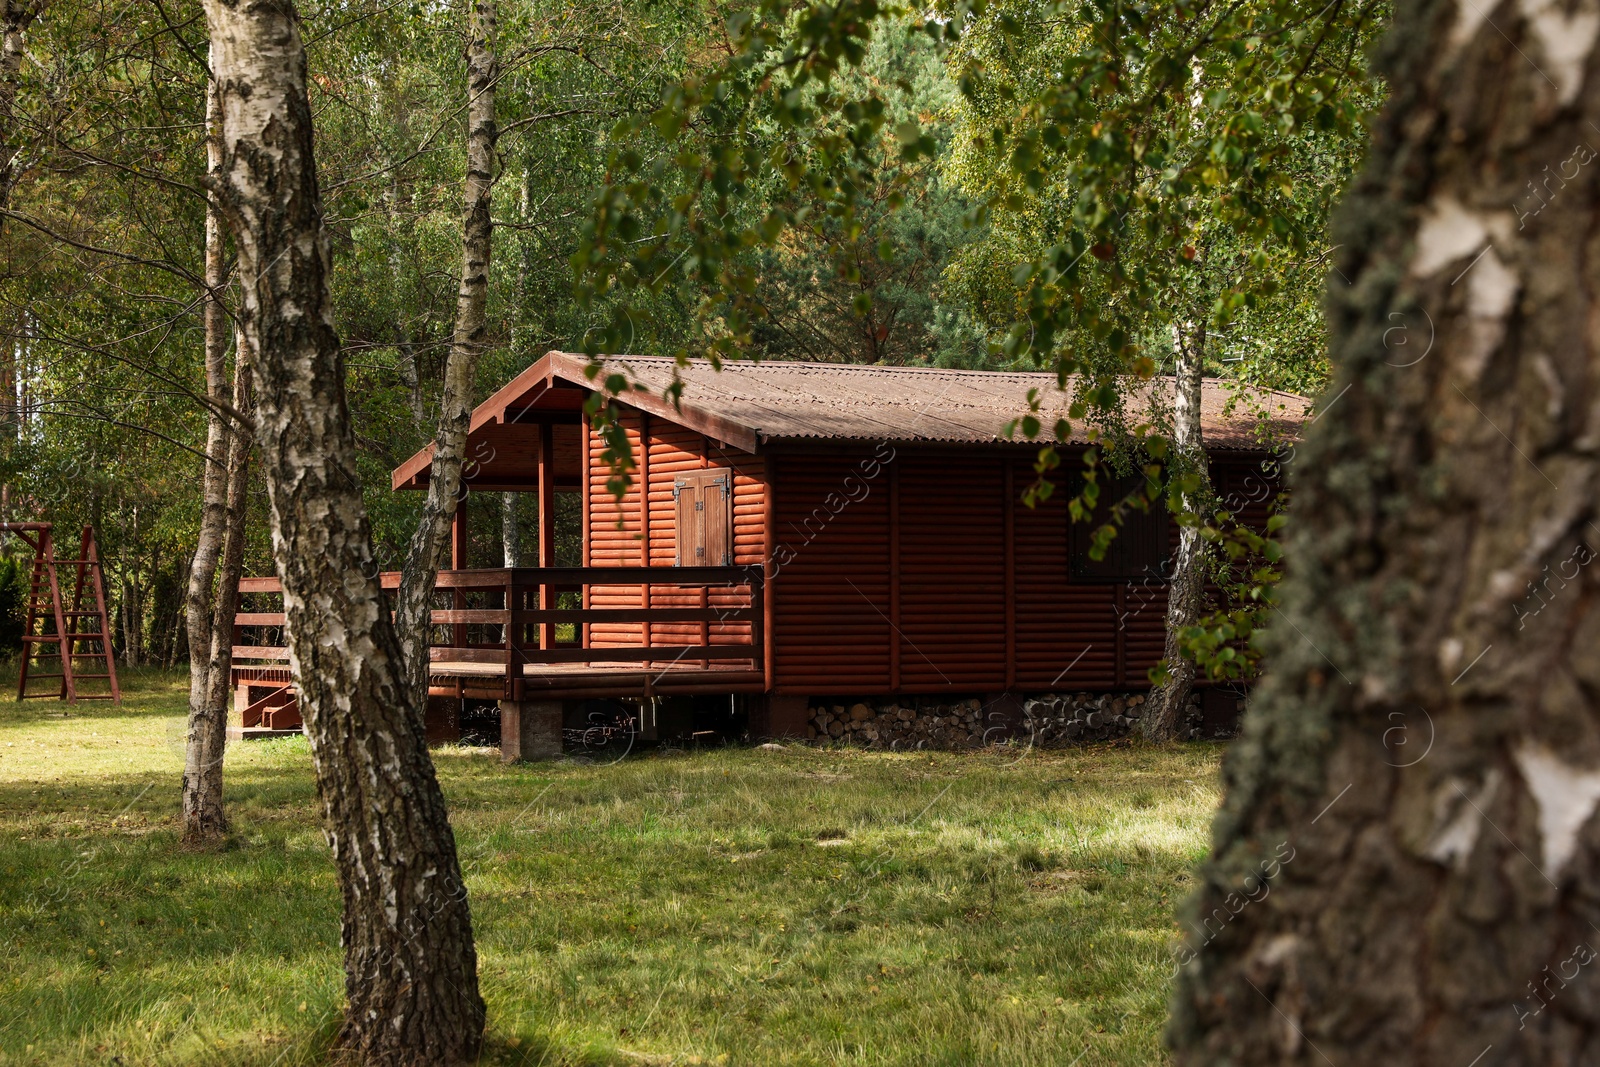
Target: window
[
  {"x": 703, "y": 502},
  {"x": 1140, "y": 551}
]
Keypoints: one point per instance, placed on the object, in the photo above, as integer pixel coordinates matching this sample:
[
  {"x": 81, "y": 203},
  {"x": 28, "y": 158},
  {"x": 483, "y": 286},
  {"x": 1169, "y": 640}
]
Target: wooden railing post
[
  {"x": 547, "y": 527},
  {"x": 513, "y": 634},
  {"x": 460, "y": 540}
]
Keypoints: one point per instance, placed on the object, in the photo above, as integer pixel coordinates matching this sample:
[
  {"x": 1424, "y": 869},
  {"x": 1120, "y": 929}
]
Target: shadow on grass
[{"x": 785, "y": 908}]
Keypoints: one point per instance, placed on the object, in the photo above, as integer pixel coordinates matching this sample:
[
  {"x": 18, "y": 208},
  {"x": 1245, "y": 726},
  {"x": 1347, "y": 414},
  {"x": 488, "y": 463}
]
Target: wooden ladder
[{"x": 50, "y": 623}]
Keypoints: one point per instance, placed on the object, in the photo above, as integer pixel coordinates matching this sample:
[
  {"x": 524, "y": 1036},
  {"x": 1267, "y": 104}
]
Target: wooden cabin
[{"x": 794, "y": 531}]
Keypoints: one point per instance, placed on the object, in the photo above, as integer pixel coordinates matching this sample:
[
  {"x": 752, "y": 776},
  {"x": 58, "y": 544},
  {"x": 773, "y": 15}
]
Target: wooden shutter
[
  {"x": 685, "y": 497},
  {"x": 716, "y": 496},
  {"x": 703, "y": 507}
]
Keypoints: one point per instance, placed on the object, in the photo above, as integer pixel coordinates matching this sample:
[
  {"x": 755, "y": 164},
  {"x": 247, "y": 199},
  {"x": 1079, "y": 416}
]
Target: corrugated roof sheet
[{"x": 790, "y": 401}]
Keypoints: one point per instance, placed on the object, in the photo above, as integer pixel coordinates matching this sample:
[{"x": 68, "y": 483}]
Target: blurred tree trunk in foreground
[{"x": 1403, "y": 869}]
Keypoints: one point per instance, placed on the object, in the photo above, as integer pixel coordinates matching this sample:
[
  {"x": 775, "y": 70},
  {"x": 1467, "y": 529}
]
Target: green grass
[{"x": 730, "y": 906}]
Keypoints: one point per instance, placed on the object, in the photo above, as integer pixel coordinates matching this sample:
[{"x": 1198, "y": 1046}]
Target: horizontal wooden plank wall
[
  {"x": 611, "y": 544},
  {"x": 1066, "y": 632},
  {"x": 936, "y": 523},
  {"x": 664, "y": 450},
  {"x": 841, "y": 624},
  {"x": 952, "y": 573},
  {"x": 831, "y": 612}
]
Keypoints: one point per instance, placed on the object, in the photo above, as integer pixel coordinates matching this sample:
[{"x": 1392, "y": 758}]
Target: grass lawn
[{"x": 721, "y": 907}]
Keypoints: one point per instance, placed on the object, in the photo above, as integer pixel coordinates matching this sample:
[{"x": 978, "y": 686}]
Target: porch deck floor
[{"x": 487, "y": 681}]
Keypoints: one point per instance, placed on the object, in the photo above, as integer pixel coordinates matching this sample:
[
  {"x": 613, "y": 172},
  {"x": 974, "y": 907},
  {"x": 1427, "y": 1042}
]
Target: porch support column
[
  {"x": 644, "y": 522},
  {"x": 458, "y": 536},
  {"x": 458, "y": 561},
  {"x": 530, "y": 730},
  {"x": 547, "y": 495},
  {"x": 547, "y": 527}
]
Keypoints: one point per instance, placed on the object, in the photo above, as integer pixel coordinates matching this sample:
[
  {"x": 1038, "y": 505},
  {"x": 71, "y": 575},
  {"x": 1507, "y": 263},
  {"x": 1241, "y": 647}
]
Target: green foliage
[
  {"x": 14, "y": 583},
  {"x": 100, "y": 309},
  {"x": 989, "y": 184},
  {"x": 1246, "y": 565},
  {"x": 823, "y": 294},
  {"x": 1132, "y": 166}
]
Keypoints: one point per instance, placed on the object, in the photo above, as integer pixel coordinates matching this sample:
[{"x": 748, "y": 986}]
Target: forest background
[{"x": 102, "y": 243}]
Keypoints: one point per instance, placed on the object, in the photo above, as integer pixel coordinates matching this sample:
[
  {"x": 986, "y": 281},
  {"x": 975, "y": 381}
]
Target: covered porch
[
  {"x": 507, "y": 639},
  {"x": 521, "y": 615}
]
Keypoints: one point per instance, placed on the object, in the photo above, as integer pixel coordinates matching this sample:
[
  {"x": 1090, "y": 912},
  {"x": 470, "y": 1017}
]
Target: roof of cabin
[{"x": 748, "y": 404}]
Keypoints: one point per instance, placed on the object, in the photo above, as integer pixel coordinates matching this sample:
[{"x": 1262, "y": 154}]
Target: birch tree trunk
[
  {"x": 230, "y": 567},
  {"x": 410, "y": 967},
  {"x": 203, "y": 818},
  {"x": 406, "y": 363},
  {"x": 431, "y": 543},
  {"x": 1186, "y": 590},
  {"x": 1403, "y": 870},
  {"x": 510, "y": 535},
  {"x": 219, "y": 657},
  {"x": 208, "y": 731}
]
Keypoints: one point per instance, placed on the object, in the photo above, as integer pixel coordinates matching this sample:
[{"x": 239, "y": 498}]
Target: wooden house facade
[{"x": 793, "y": 531}]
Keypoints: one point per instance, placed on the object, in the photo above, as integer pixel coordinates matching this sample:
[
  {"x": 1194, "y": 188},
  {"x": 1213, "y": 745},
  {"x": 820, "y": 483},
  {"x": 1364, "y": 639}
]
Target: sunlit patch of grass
[{"x": 733, "y": 906}]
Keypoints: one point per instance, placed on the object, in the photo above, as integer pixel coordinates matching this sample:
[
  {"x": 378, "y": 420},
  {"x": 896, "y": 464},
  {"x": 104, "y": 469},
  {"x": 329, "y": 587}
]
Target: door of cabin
[{"x": 703, "y": 501}]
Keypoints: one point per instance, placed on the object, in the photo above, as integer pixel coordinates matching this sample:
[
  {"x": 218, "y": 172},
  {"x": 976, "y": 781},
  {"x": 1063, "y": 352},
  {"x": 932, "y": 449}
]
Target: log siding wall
[
  {"x": 662, "y": 451},
  {"x": 899, "y": 583}
]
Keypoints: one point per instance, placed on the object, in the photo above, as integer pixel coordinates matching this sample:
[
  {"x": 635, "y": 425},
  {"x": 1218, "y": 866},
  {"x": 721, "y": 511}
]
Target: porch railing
[{"x": 529, "y": 616}]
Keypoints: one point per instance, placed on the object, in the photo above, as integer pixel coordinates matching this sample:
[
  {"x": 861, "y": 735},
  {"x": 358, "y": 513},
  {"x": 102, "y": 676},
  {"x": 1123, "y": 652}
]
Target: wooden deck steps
[{"x": 278, "y": 710}]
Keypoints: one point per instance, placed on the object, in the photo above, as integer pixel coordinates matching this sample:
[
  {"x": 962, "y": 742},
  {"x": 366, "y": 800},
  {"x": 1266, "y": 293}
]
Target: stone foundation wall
[
  {"x": 1065, "y": 718},
  {"x": 911, "y": 724},
  {"x": 1051, "y": 719}
]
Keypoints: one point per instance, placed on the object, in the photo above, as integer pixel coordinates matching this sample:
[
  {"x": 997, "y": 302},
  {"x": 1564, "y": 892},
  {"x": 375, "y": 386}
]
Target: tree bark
[
  {"x": 431, "y": 543},
  {"x": 230, "y": 569},
  {"x": 510, "y": 535},
  {"x": 203, "y": 819},
  {"x": 407, "y": 363},
  {"x": 1186, "y": 589},
  {"x": 1402, "y": 872},
  {"x": 410, "y": 967},
  {"x": 15, "y": 18},
  {"x": 132, "y": 597}
]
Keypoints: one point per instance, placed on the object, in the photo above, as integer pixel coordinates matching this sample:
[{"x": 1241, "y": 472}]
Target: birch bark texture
[
  {"x": 510, "y": 534},
  {"x": 430, "y": 544},
  {"x": 204, "y": 821},
  {"x": 204, "y": 818},
  {"x": 410, "y": 966},
  {"x": 1186, "y": 589},
  {"x": 1403, "y": 869}
]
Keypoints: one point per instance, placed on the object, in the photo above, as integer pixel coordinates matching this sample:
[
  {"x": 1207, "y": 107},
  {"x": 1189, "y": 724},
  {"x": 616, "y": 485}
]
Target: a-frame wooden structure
[{"x": 79, "y": 631}]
